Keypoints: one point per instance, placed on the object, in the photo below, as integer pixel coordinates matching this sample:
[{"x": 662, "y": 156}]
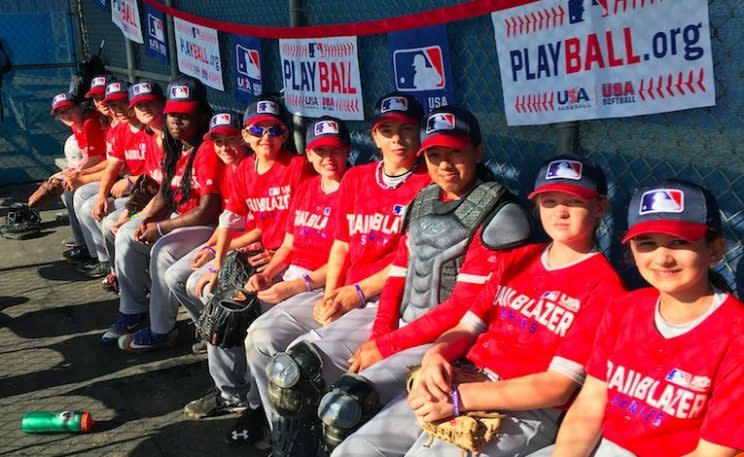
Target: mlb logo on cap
[
  {"x": 419, "y": 69},
  {"x": 98, "y": 81},
  {"x": 662, "y": 201},
  {"x": 267, "y": 107},
  {"x": 393, "y": 104},
  {"x": 219, "y": 119},
  {"x": 326, "y": 127},
  {"x": 180, "y": 92},
  {"x": 59, "y": 98},
  {"x": 142, "y": 88},
  {"x": 564, "y": 169},
  {"x": 398, "y": 210},
  {"x": 113, "y": 87},
  {"x": 440, "y": 121}
]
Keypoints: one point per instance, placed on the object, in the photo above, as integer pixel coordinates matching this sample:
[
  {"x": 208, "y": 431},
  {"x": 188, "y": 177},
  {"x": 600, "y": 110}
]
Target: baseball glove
[
  {"x": 471, "y": 431},
  {"x": 144, "y": 189},
  {"x": 47, "y": 191}
]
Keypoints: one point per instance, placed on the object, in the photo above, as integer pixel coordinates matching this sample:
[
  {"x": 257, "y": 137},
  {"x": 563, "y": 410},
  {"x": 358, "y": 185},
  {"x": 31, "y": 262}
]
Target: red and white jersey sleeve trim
[
  {"x": 473, "y": 279},
  {"x": 569, "y": 368},
  {"x": 475, "y": 323},
  {"x": 397, "y": 272},
  {"x": 230, "y": 220}
]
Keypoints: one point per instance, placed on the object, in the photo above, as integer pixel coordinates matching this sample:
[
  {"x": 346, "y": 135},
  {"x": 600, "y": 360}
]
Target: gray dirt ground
[{"x": 51, "y": 320}]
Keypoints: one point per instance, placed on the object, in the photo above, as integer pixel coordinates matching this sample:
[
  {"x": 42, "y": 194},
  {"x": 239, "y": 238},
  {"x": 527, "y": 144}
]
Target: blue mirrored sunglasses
[{"x": 258, "y": 131}]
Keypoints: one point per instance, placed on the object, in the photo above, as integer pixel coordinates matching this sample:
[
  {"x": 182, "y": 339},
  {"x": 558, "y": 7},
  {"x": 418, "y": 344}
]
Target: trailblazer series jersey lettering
[
  {"x": 311, "y": 220},
  {"x": 136, "y": 154},
  {"x": 366, "y": 223},
  {"x": 555, "y": 318},
  {"x": 265, "y": 204},
  {"x": 649, "y": 398}
]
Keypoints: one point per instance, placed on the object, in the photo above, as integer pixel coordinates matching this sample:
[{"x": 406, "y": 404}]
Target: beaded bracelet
[
  {"x": 455, "y": 398},
  {"x": 308, "y": 284},
  {"x": 359, "y": 292}
]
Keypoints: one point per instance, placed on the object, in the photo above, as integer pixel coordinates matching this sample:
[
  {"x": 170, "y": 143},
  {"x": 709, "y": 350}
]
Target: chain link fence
[{"x": 704, "y": 145}]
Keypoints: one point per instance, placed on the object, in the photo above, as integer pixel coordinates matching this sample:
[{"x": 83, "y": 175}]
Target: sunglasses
[{"x": 274, "y": 131}]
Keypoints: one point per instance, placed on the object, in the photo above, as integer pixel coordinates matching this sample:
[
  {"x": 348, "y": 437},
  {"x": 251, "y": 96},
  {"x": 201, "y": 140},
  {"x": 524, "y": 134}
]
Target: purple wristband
[
  {"x": 308, "y": 284},
  {"x": 455, "y": 397},
  {"x": 211, "y": 249},
  {"x": 360, "y": 294},
  {"x": 213, "y": 270}
]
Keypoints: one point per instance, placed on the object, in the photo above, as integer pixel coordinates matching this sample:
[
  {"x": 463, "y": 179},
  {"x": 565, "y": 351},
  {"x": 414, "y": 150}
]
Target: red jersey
[
  {"x": 477, "y": 268},
  {"x": 370, "y": 218},
  {"x": 665, "y": 394},
  {"x": 128, "y": 144},
  {"x": 91, "y": 136},
  {"x": 154, "y": 158},
  {"x": 267, "y": 196},
  {"x": 312, "y": 222},
  {"x": 226, "y": 184},
  {"x": 206, "y": 173},
  {"x": 534, "y": 317}
]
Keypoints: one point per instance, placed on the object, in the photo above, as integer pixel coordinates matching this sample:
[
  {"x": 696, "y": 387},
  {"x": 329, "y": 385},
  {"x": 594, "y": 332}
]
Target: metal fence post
[
  {"x": 172, "y": 57},
  {"x": 129, "y": 47},
  {"x": 568, "y": 138},
  {"x": 298, "y": 17}
]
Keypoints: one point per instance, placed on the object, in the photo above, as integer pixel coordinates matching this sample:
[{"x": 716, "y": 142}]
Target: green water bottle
[{"x": 50, "y": 422}]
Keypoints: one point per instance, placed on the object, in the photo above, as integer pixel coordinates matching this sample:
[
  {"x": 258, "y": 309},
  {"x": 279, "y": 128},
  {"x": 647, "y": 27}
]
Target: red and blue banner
[
  {"x": 421, "y": 65},
  {"x": 156, "y": 45},
  {"x": 247, "y": 68}
]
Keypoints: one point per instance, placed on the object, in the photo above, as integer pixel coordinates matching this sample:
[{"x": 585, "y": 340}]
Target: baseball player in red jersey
[
  {"x": 530, "y": 331},
  {"x": 299, "y": 266},
  {"x": 372, "y": 202},
  {"x": 177, "y": 221},
  {"x": 665, "y": 374},
  {"x": 453, "y": 231}
]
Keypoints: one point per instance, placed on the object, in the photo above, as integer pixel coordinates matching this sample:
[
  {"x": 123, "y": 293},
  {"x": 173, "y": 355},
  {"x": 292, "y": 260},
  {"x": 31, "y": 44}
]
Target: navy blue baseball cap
[
  {"x": 397, "y": 106},
  {"x": 226, "y": 122},
  {"x": 184, "y": 95},
  {"x": 116, "y": 89},
  {"x": 98, "y": 86},
  {"x": 264, "y": 109},
  {"x": 450, "y": 127},
  {"x": 571, "y": 174},
  {"x": 144, "y": 91},
  {"x": 64, "y": 100},
  {"x": 327, "y": 131},
  {"x": 673, "y": 207}
]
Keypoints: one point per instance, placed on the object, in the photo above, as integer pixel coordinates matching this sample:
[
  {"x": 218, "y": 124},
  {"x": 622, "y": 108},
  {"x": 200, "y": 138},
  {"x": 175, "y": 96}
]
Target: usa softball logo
[
  {"x": 419, "y": 69},
  {"x": 180, "y": 92},
  {"x": 440, "y": 121},
  {"x": 113, "y": 87},
  {"x": 326, "y": 128},
  {"x": 220, "y": 119},
  {"x": 264, "y": 107},
  {"x": 662, "y": 201},
  {"x": 142, "y": 88},
  {"x": 98, "y": 81},
  {"x": 564, "y": 169},
  {"x": 394, "y": 104}
]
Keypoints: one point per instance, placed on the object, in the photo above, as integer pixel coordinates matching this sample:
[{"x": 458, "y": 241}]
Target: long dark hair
[{"x": 172, "y": 152}]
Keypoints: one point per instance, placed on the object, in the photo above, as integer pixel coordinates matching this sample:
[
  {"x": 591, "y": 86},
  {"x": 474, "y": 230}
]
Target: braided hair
[{"x": 172, "y": 152}]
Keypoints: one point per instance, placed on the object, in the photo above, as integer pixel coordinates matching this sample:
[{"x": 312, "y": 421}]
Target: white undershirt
[
  {"x": 671, "y": 330},
  {"x": 394, "y": 181}
]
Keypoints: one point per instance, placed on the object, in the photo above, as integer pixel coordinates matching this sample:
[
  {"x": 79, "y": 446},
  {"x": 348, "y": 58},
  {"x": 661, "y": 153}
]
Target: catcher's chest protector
[{"x": 438, "y": 237}]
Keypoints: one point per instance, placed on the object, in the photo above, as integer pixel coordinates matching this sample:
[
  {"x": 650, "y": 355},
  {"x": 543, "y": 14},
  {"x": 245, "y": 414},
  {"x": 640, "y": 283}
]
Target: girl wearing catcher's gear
[
  {"x": 529, "y": 332},
  {"x": 372, "y": 203},
  {"x": 665, "y": 374},
  {"x": 178, "y": 218},
  {"x": 263, "y": 186}
]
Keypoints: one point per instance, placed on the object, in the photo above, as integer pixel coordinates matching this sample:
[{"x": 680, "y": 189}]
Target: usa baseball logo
[
  {"x": 98, "y": 81},
  {"x": 326, "y": 127},
  {"x": 248, "y": 62},
  {"x": 180, "y": 92},
  {"x": 264, "y": 107},
  {"x": 662, "y": 201},
  {"x": 394, "y": 104},
  {"x": 59, "y": 98},
  {"x": 419, "y": 69},
  {"x": 113, "y": 87},
  {"x": 219, "y": 119},
  {"x": 564, "y": 169},
  {"x": 142, "y": 88},
  {"x": 440, "y": 121},
  {"x": 155, "y": 27}
]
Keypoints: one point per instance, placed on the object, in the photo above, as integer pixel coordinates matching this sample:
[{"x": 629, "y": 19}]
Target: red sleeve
[
  {"x": 208, "y": 169},
  {"x": 579, "y": 339},
  {"x": 604, "y": 343},
  {"x": 388, "y": 310},
  {"x": 236, "y": 202},
  {"x": 294, "y": 201},
  {"x": 725, "y": 415},
  {"x": 473, "y": 283},
  {"x": 345, "y": 206},
  {"x": 95, "y": 138}
]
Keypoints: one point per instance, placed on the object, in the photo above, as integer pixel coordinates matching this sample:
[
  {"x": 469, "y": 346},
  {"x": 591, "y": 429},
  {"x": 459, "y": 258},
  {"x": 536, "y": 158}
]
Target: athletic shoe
[
  {"x": 99, "y": 270},
  {"x": 250, "y": 428},
  {"x": 77, "y": 255},
  {"x": 110, "y": 283},
  {"x": 212, "y": 404},
  {"x": 124, "y": 325},
  {"x": 85, "y": 266},
  {"x": 69, "y": 243},
  {"x": 146, "y": 340},
  {"x": 200, "y": 347}
]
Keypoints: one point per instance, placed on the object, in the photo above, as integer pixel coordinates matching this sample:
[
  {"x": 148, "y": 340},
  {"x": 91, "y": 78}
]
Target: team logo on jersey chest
[
  {"x": 662, "y": 201},
  {"x": 398, "y": 210},
  {"x": 688, "y": 381},
  {"x": 562, "y": 299}
]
